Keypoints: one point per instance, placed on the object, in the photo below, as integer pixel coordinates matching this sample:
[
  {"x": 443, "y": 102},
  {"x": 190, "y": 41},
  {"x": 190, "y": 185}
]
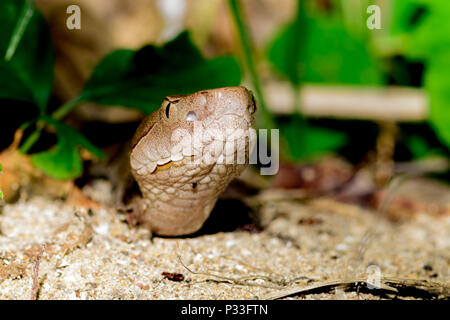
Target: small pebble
[{"x": 427, "y": 267}]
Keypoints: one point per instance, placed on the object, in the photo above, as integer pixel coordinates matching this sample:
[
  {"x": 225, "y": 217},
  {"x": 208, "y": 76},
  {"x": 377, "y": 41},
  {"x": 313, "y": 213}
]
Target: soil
[{"x": 52, "y": 250}]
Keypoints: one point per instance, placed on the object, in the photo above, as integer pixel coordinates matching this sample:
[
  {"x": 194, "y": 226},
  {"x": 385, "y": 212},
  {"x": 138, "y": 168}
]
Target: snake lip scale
[{"x": 184, "y": 154}]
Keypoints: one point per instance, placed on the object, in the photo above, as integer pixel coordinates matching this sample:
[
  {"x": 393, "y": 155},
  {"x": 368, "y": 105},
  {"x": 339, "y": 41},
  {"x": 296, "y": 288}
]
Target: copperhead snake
[{"x": 184, "y": 154}]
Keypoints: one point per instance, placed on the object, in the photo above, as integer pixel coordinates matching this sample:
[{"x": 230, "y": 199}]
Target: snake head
[
  {"x": 210, "y": 106},
  {"x": 185, "y": 153},
  {"x": 192, "y": 125}
]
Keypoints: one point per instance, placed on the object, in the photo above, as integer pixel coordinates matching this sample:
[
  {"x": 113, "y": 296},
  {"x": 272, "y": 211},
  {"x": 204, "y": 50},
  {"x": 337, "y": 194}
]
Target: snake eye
[{"x": 168, "y": 109}]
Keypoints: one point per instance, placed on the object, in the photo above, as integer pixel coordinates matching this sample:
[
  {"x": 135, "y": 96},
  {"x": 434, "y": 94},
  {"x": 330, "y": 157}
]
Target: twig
[
  {"x": 34, "y": 289},
  {"x": 350, "y": 102},
  {"x": 322, "y": 285},
  {"x": 244, "y": 36},
  {"x": 432, "y": 288},
  {"x": 243, "y": 281}
]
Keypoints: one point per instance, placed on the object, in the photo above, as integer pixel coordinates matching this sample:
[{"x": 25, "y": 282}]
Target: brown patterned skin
[{"x": 184, "y": 154}]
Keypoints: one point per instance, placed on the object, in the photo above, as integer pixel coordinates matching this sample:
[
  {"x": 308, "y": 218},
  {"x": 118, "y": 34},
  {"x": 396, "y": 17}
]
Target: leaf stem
[
  {"x": 19, "y": 29},
  {"x": 57, "y": 115},
  {"x": 31, "y": 140},
  {"x": 235, "y": 6},
  {"x": 299, "y": 31},
  {"x": 62, "y": 111}
]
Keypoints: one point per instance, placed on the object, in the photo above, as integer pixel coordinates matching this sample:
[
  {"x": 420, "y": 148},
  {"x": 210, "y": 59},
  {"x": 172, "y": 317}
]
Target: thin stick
[
  {"x": 34, "y": 289},
  {"x": 430, "y": 287},
  {"x": 235, "y": 6},
  {"x": 243, "y": 281},
  {"x": 350, "y": 102}
]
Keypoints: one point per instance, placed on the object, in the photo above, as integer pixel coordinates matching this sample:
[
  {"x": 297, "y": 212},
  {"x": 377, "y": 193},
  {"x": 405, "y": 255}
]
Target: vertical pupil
[{"x": 168, "y": 110}]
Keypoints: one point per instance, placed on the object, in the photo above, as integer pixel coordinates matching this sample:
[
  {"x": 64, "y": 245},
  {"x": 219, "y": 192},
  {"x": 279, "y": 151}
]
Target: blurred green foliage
[
  {"x": 320, "y": 45},
  {"x": 141, "y": 79},
  {"x": 423, "y": 29},
  {"x": 28, "y": 75},
  {"x": 63, "y": 161},
  {"x": 264, "y": 116},
  {"x": 418, "y": 146},
  {"x": 136, "y": 79},
  {"x": 305, "y": 141}
]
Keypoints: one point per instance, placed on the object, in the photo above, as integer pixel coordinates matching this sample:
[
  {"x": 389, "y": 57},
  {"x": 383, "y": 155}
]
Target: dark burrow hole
[{"x": 228, "y": 215}]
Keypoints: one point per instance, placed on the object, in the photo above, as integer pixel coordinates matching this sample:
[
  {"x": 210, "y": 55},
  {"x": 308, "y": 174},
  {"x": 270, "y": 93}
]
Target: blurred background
[
  {"x": 361, "y": 85},
  {"x": 360, "y": 93}
]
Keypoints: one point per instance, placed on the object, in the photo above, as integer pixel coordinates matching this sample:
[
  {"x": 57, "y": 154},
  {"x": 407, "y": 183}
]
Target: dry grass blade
[
  {"x": 243, "y": 281},
  {"x": 389, "y": 284}
]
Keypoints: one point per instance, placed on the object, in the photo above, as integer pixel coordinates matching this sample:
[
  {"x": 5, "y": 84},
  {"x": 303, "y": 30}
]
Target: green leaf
[
  {"x": 285, "y": 52},
  {"x": 418, "y": 146},
  {"x": 64, "y": 161},
  {"x": 428, "y": 39},
  {"x": 28, "y": 75},
  {"x": 305, "y": 141},
  {"x": 437, "y": 83},
  {"x": 406, "y": 16},
  {"x": 429, "y": 34},
  {"x": 326, "y": 52},
  {"x": 141, "y": 79}
]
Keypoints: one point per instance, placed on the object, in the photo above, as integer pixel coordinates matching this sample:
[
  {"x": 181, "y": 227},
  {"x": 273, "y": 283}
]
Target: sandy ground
[{"x": 94, "y": 254}]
